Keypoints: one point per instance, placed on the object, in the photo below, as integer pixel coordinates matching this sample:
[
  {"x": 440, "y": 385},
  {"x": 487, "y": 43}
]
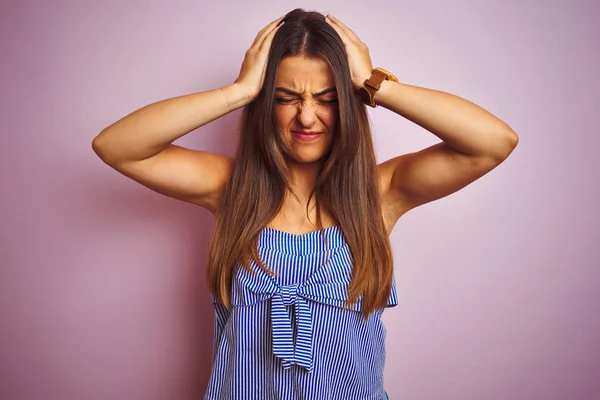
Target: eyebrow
[{"x": 321, "y": 93}]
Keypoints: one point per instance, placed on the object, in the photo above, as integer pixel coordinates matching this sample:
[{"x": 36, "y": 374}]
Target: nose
[{"x": 307, "y": 114}]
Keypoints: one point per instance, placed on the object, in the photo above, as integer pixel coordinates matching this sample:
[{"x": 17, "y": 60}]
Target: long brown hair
[{"x": 347, "y": 185}]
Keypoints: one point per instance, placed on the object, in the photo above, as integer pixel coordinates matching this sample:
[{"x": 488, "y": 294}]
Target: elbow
[
  {"x": 507, "y": 145},
  {"x": 97, "y": 144},
  {"x": 99, "y": 148},
  {"x": 512, "y": 140},
  {"x": 512, "y": 136}
]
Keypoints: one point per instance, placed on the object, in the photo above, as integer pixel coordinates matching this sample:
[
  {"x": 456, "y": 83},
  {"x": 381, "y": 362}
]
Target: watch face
[{"x": 390, "y": 76}]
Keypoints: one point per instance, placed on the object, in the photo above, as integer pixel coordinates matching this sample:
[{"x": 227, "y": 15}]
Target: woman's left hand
[{"x": 357, "y": 52}]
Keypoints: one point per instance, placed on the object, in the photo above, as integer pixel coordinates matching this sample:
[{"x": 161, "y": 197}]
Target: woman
[{"x": 300, "y": 265}]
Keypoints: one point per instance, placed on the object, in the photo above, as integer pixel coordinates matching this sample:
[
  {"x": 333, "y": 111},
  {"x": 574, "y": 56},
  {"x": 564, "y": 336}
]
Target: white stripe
[{"x": 287, "y": 337}]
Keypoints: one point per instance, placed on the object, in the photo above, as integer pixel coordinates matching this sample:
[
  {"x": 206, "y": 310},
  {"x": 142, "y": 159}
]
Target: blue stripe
[{"x": 287, "y": 336}]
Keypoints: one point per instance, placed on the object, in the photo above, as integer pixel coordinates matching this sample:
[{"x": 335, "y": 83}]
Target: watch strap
[
  {"x": 372, "y": 85},
  {"x": 376, "y": 78}
]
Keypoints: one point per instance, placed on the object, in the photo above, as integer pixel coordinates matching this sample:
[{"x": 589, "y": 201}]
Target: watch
[{"x": 372, "y": 85}]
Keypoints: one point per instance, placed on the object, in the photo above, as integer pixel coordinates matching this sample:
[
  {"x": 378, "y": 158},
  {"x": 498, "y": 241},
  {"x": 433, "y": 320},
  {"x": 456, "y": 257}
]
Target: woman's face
[{"x": 306, "y": 100}]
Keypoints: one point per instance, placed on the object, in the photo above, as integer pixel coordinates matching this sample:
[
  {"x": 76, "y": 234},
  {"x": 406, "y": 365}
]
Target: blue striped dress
[{"x": 287, "y": 336}]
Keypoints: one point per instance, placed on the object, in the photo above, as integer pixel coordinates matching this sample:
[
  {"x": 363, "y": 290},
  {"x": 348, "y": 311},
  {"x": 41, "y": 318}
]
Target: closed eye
[{"x": 285, "y": 101}]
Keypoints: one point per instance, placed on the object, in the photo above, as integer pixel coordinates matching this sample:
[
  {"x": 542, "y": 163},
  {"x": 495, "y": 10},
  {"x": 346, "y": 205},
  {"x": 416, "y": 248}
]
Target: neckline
[
  {"x": 301, "y": 244},
  {"x": 300, "y": 235}
]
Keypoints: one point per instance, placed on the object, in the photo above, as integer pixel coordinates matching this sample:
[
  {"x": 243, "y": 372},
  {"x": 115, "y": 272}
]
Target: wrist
[
  {"x": 383, "y": 91},
  {"x": 236, "y": 96},
  {"x": 370, "y": 91},
  {"x": 359, "y": 82}
]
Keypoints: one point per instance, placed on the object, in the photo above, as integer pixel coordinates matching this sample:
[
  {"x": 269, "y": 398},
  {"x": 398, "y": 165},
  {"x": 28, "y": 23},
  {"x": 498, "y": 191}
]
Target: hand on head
[
  {"x": 357, "y": 52},
  {"x": 252, "y": 73}
]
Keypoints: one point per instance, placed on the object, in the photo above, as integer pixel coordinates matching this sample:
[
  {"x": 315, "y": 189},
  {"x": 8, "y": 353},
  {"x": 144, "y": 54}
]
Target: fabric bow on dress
[{"x": 327, "y": 285}]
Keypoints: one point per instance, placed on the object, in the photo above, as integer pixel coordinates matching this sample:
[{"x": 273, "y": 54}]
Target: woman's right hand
[{"x": 252, "y": 73}]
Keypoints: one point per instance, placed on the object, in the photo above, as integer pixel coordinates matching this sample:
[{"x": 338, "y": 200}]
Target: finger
[
  {"x": 260, "y": 36},
  {"x": 265, "y": 31},
  {"x": 336, "y": 22},
  {"x": 266, "y": 44},
  {"x": 339, "y": 31}
]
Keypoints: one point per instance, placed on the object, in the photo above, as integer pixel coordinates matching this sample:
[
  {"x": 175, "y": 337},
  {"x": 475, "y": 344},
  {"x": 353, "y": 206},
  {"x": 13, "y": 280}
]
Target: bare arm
[
  {"x": 149, "y": 130},
  {"x": 140, "y": 147}
]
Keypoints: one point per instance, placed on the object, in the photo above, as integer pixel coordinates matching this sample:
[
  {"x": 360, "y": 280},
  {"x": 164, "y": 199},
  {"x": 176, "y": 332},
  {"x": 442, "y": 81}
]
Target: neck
[{"x": 303, "y": 178}]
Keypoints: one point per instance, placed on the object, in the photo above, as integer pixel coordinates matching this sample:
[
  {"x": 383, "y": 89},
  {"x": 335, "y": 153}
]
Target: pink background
[{"x": 102, "y": 280}]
